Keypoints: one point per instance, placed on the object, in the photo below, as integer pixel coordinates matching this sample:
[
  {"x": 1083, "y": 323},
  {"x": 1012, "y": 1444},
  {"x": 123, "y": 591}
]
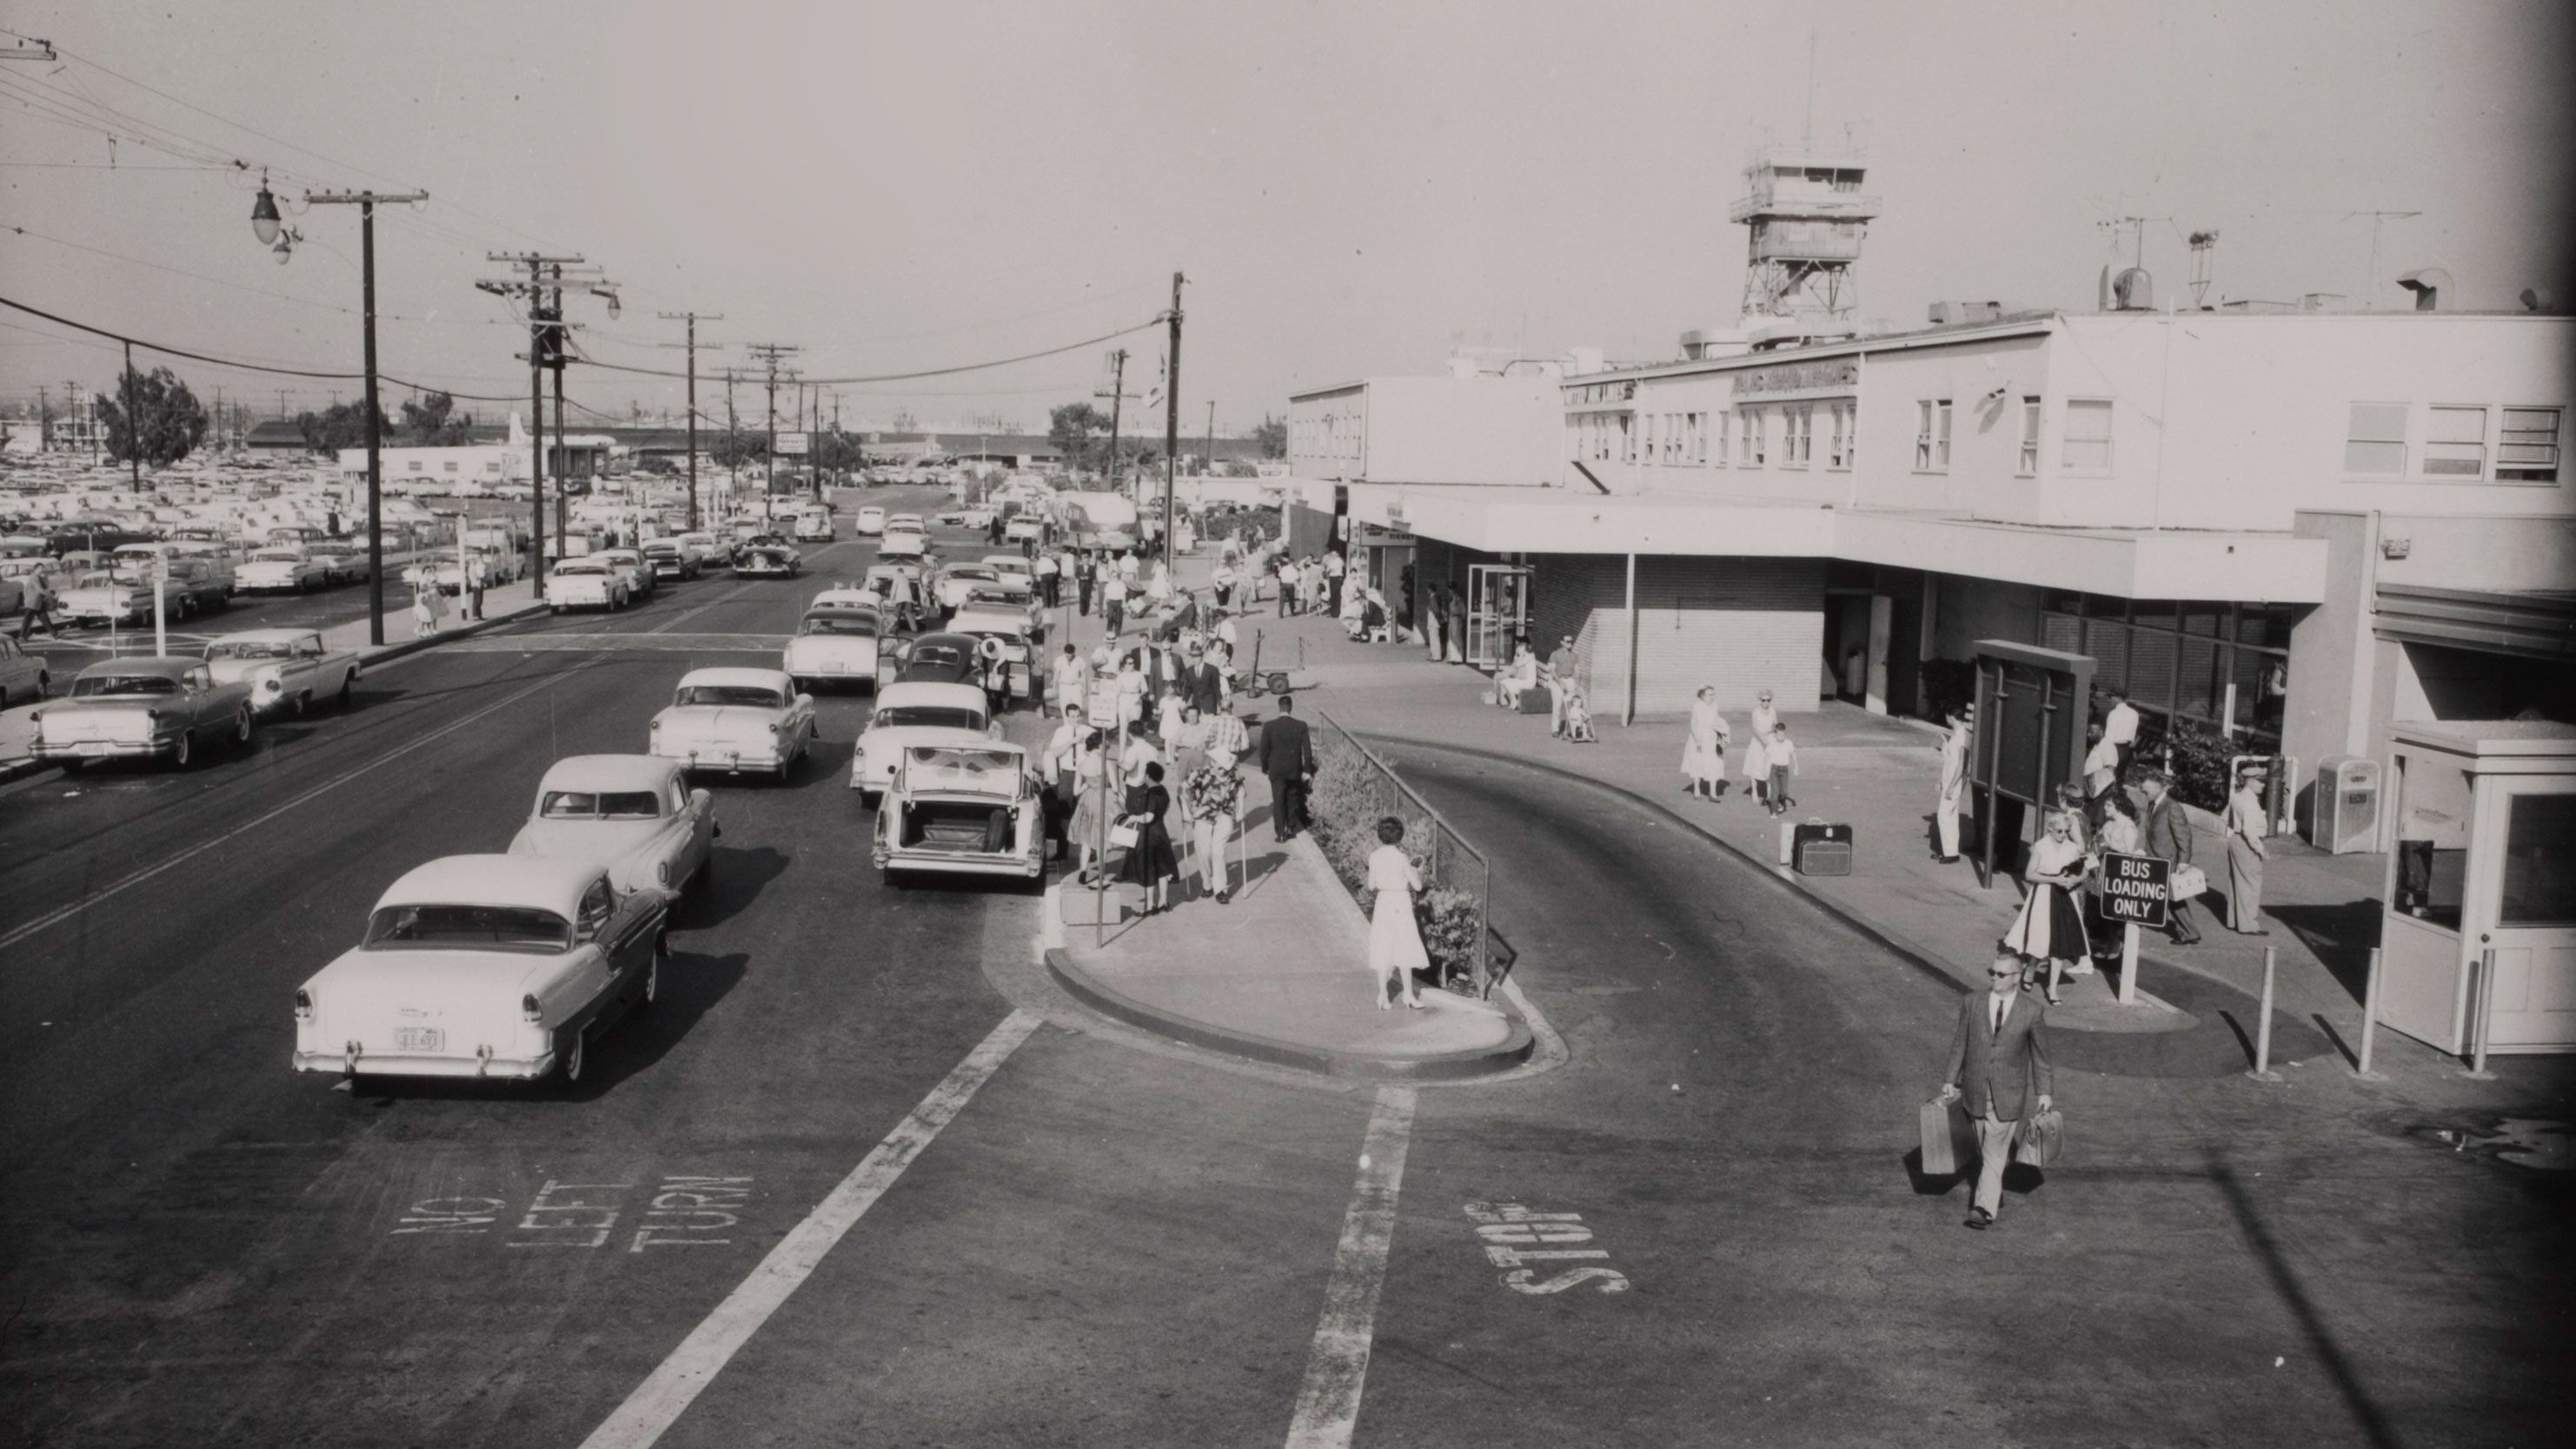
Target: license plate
[
  {"x": 419, "y": 1039},
  {"x": 96, "y": 747}
]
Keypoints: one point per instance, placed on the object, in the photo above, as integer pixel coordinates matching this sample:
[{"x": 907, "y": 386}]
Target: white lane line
[
  {"x": 65, "y": 912},
  {"x": 1328, "y": 1406},
  {"x": 658, "y": 1402}
]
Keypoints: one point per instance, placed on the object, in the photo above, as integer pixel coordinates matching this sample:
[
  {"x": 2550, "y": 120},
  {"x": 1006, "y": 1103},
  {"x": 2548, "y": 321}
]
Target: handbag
[
  {"x": 2189, "y": 881},
  {"x": 2041, "y": 1137},
  {"x": 1122, "y": 836}
]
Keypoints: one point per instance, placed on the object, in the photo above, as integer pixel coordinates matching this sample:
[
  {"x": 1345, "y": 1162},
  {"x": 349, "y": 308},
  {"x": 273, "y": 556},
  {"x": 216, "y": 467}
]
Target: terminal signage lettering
[
  {"x": 2136, "y": 889},
  {"x": 1838, "y": 376}
]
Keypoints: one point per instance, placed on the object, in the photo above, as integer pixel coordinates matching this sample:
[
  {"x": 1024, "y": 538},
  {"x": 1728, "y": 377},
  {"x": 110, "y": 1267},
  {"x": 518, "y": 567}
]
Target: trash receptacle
[{"x": 2344, "y": 816}]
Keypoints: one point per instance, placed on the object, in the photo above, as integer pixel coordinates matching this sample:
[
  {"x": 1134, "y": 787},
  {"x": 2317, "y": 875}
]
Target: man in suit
[
  {"x": 2168, "y": 832},
  {"x": 1997, "y": 1056},
  {"x": 1203, "y": 685},
  {"x": 1288, "y": 757}
]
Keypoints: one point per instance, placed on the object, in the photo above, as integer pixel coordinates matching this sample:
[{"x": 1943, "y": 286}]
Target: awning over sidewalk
[{"x": 2248, "y": 567}]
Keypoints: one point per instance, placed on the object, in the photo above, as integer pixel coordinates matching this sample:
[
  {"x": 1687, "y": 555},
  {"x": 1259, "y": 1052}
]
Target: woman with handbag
[
  {"x": 2050, "y": 928},
  {"x": 1151, "y": 861},
  {"x": 1704, "y": 752},
  {"x": 1395, "y": 942}
]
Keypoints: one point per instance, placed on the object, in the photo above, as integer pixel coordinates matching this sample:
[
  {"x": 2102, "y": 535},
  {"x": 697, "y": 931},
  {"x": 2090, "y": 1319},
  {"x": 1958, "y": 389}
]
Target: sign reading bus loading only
[{"x": 2135, "y": 890}]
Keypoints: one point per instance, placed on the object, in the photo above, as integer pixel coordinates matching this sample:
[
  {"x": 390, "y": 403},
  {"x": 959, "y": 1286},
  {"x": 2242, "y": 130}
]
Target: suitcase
[
  {"x": 1821, "y": 849},
  {"x": 1940, "y": 1145},
  {"x": 1533, "y": 701},
  {"x": 2041, "y": 1137}
]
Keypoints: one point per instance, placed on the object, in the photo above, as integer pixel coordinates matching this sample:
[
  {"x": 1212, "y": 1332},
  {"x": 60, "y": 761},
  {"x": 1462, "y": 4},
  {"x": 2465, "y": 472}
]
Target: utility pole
[
  {"x": 692, "y": 344},
  {"x": 543, "y": 289},
  {"x": 768, "y": 354},
  {"x": 1117, "y": 395},
  {"x": 366, "y": 201},
  {"x": 1172, "y": 417},
  {"x": 134, "y": 425},
  {"x": 1207, "y": 459},
  {"x": 44, "y": 420}
]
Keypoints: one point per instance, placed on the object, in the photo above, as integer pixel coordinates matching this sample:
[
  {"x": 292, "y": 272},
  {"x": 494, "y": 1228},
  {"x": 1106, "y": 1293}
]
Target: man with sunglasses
[{"x": 1997, "y": 1056}]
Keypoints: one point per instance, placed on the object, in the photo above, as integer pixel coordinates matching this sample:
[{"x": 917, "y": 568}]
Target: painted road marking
[
  {"x": 682, "y": 1210},
  {"x": 65, "y": 912},
  {"x": 620, "y": 643},
  {"x": 1328, "y": 1405},
  {"x": 1513, "y": 1235},
  {"x": 659, "y": 1401}
]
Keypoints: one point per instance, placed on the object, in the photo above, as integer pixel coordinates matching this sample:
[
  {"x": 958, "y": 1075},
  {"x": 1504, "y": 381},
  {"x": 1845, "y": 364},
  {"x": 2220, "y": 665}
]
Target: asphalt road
[{"x": 1110, "y": 1245}]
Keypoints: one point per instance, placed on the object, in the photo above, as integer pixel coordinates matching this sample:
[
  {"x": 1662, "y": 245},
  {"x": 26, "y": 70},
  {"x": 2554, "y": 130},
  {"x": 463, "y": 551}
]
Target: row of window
[
  {"x": 2085, "y": 447},
  {"x": 2221, "y": 666},
  {"x": 2459, "y": 442},
  {"x": 1703, "y": 440},
  {"x": 490, "y": 465}
]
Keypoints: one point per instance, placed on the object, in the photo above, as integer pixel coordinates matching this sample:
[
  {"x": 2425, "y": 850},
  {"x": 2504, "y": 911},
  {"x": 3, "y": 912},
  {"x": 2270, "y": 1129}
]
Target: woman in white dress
[
  {"x": 1704, "y": 755},
  {"x": 1757, "y": 754},
  {"x": 1395, "y": 944},
  {"x": 2050, "y": 927}
]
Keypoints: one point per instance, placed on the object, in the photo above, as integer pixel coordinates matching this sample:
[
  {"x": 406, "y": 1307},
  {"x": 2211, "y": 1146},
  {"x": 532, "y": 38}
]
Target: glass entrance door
[
  {"x": 2532, "y": 1003},
  {"x": 1497, "y": 612}
]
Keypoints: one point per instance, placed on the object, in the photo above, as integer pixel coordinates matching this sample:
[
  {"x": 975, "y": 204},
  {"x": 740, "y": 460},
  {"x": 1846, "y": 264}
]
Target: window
[
  {"x": 1932, "y": 435},
  {"x": 1757, "y": 438},
  {"x": 2028, "y": 462},
  {"x": 1797, "y": 427},
  {"x": 2527, "y": 446},
  {"x": 2539, "y": 862},
  {"x": 1627, "y": 438},
  {"x": 415, "y": 465},
  {"x": 2087, "y": 447},
  {"x": 1699, "y": 439},
  {"x": 2455, "y": 443},
  {"x": 1725, "y": 422},
  {"x": 2375, "y": 439}
]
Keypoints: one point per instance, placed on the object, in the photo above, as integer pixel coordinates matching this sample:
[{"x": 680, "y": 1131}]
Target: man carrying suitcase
[{"x": 1997, "y": 1055}]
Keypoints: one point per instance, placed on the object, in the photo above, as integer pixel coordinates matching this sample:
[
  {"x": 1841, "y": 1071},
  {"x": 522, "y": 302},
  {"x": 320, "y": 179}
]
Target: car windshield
[
  {"x": 939, "y": 656},
  {"x": 600, "y": 805},
  {"x": 976, "y": 573},
  {"x": 850, "y": 623},
  {"x": 252, "y": 649},
  {"x": 277, "y": 555},
  {"x": 947, "y": 716},
  {"x": 750, "y": 694},
  {"x": 993, "y": 594},
  {"x": 505, "y": 928},
  {"x": 572, "y": 570},
  {"x": 123, "y": 684}
]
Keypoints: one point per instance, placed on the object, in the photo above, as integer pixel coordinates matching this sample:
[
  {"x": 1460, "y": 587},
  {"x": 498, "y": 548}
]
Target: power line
[
  {"x": 1155, "y": 321},
  {"x": 238, "y": 366}
]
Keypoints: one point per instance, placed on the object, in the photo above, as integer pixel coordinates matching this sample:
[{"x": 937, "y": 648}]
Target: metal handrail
[{"x": 1483, "y": 974}]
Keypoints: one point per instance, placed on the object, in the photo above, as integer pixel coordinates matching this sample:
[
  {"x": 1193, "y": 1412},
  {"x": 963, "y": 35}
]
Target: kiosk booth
[{"x": 2478, "y": 925}]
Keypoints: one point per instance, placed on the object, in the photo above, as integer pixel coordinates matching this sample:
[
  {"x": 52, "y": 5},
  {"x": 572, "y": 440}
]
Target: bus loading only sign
[{"x": 2135, "y": 889}]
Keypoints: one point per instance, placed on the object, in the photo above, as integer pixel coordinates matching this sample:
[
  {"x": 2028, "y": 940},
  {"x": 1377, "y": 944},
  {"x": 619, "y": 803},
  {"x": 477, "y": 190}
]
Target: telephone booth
[{"x": 2478, "y": 925}]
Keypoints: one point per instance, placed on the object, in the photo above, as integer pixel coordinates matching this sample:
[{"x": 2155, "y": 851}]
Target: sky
[{"x": 1352, "y": 189}]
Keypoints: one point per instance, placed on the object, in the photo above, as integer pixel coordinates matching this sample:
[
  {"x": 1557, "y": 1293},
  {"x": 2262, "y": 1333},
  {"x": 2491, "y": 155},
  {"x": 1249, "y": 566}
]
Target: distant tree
[
  {"x": 734, "y": 450},
  {"x": 1238, "y": 468},
  {"x": 167, "y": 424},
  {"x": 433, "y": 421},
  {"x": 343, "y": 425},
  {"x": 1273, "y": 437},
  {"x": 1069, "y": 432}
]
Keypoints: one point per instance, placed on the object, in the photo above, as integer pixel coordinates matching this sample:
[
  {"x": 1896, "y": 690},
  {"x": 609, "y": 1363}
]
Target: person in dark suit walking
[
  {"x": 2169, "y": 834},
  {"x": 1288, "y": 757},
  {"x": 1203, "y": 685},
  {"x": 1998, "y": 1056}
]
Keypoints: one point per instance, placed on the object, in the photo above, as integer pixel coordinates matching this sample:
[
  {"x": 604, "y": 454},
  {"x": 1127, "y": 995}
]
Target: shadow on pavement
[
  {"x": 2340, "y": 937},
  {"x": 735, "y": 878},
  {"x": 2294, "y": 1294}
]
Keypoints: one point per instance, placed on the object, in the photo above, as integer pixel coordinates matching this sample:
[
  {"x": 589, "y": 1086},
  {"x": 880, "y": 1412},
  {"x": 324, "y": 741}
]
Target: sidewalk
[
  {"x": 1279, "y": 974},
  {"x": 500, "y": 606}
]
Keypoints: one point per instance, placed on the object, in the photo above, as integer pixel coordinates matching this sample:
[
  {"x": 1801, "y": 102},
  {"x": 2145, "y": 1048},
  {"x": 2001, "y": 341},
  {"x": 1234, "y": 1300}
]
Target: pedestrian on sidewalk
[
  {"x": 1334, "y": 568},
  {"x": 1212, "y": 799},
  {"x": 1954, "y": 786},
  {"x": 1288, "y": 759},
  {"x": 1287, "y": 586},
  {"x": 1516, "y": 678},
  {"x": 2168, "y": 838},
  {"x": 1435, "y": 634},
  {"x": 2050, "y": 926},
  {"x": 1704, "y": 753},
  {"x": 37, "y": 603},
  {"x": 2247, "y": 822},
  {"x": 2101, "y": 775},
  {"x": 1085, "y": 569},
  {"x": 1086, "y": 830},
  {"x": 1046, "y": 572},
  {"x": 2120, "y": 730},
  {"x": 1150, "y": 862},
  {"x": 474, "y": 590},
  {"x": 1395, "y": 941},
  {"x": 1203, "y": 683},
  {"x": 1757, "y": 755},
  {"x": 1558, "y": 676},
  {"x": 1113, "y": 604},
  {"x": 1223, "y": 580},
  {"x": 426, "y": 606},
  {"x": 1782, "y": 757},
  {"x": 1997, "y": 1056}
]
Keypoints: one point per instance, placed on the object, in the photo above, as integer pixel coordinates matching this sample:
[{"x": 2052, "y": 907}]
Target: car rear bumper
[
  {"x": 421, "y": 1064},
  {"x": 711, "y": 757},
  {"x": 1022, "y": 867},
  {"x": 104, "y": 749}
]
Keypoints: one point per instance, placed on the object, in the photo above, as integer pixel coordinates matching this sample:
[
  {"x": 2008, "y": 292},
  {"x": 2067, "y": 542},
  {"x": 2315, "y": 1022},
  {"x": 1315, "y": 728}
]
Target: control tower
[{"x": 1808, "y": 215}]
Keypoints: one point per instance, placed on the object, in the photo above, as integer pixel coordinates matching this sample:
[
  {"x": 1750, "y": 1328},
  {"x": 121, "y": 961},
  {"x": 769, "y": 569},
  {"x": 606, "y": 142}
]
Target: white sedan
[
  {"x": 635, "y": 815},
  {"x": 585, "y": 583},
  {"x": 917, "y": 714},
  {"x": 871, "y": 520},
  {"x": 735, "y": 720},
  {"x": 837, "y": 644},
  {"x": 484, "y": 966},
  {"x": 288, "y": 670}
]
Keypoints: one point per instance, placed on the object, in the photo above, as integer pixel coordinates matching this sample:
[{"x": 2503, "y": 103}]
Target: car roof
[
  {"x": 263, "y": 636},
  {"x": 526, "y": 881},
  {"x": 740, "y": 676},
  {"x": 609, "y": 772},
  {"x": 954, "y": 696},
  {"x": 970, "y": 571},
  {"x": 1006, "y": 561},
  {"x": 161, "y": 664},
  {"x": 949, "y": 637}
]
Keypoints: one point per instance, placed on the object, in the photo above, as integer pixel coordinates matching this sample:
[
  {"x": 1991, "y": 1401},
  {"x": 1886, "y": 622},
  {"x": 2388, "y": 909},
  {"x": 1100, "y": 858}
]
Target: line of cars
[
  {"x": 613, "y": 578},
  {"x": 165, "y": 707}
]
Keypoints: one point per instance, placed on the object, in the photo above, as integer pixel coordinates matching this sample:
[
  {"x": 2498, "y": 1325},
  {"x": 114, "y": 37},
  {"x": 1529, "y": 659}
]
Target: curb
[
  {"x": 11, "y": 770},
  {"x": 1446, "y": 1067},
  {"x": 373, "y": 654}
]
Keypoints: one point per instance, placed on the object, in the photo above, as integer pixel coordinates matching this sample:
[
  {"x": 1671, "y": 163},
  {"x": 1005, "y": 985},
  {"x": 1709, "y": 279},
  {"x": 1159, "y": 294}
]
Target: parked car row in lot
[
  {"x": 165, "y": 707},
  {"x": 612, "y": 578}
]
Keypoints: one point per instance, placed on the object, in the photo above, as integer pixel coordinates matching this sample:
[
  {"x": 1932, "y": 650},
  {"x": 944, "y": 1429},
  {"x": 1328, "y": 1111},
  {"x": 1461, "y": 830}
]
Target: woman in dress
[
  {"x": 1131, "y": 690},
  {"x": 2050, "y": 928},
  {"x": 1151, "y": 862},
  {"x": 1704, "y": 754},
  {"x": 1757, "y": 756},
  {"x": 1090, "y": 805},
  {"x": 1395, "y": 943}
]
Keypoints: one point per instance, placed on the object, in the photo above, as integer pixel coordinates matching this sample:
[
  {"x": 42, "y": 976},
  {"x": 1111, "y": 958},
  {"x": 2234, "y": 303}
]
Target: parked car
[
  {"x": 585, "y": 583},
  {"x": 102, "y": 598},
  {"x": 22, "y": 675},
  {"x": 709, "y": 550},
  {"x": 630, "y": 564},
  {"x": 669, "y": 561},
  {"x": 769, "y": 561},
  {"x": 342, "y": 562},
  {"x": 633, "y": 814},
  {"x": 288, "y": 670},
  {"x": 282, "y": 569},
  {"x": 955, "y": 579},
  {"x": 735, "y": 720},
  {"x": 961, "y": 810},
  {"x": 870, "y": 520},
  {"x": 911, "y": 714},
  {"x": 941, "y": 658},
  {"x": 1010, "y": 566},
  {"x": 149, "y": 706},
  {"x": 1025, "y": 527},
  {"x": 834, "y": 645},
  {"x": 484, "y": 966}
]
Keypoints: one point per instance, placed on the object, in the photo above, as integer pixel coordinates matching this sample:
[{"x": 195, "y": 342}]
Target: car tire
[
  {"x": 303, "y": 702},
  {"x": 786, "y": 768},
  {"x": 571, "y": 1046},
  {"x": 183, "y": 750},
  {"x": 348, "y": 692},
  {"x": 241, "y": 731},
  {"x": 653, "y": 973}
]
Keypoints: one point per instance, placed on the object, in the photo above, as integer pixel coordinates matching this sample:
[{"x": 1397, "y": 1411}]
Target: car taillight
[
  {"x": 303, "y": 1004},
  {"x": 529, "y": 1010},
  {"x": 773, "y": 727}
]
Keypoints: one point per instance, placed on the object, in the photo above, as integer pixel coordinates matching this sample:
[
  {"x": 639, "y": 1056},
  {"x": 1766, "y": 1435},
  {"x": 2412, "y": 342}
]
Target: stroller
[{"x": 1578, "y": 718}]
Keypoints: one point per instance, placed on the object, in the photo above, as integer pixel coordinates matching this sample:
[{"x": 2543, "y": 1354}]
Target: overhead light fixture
[{"x": 263, "y": 214}]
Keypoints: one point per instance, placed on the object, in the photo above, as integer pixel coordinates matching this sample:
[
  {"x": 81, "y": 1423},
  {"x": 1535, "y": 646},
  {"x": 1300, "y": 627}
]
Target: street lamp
[{"x": 264, "y": 220}]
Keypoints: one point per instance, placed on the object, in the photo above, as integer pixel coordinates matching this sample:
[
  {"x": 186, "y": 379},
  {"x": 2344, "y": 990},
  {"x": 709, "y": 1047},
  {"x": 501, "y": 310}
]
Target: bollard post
[
  {"x": 160, "y": 615},
  {"x": 2369, "y": 1020},
  {"x": 2263, "y": 1031},
  {"x": 2481, "y": 986},
  {"x": 2129, "y": 964}
]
